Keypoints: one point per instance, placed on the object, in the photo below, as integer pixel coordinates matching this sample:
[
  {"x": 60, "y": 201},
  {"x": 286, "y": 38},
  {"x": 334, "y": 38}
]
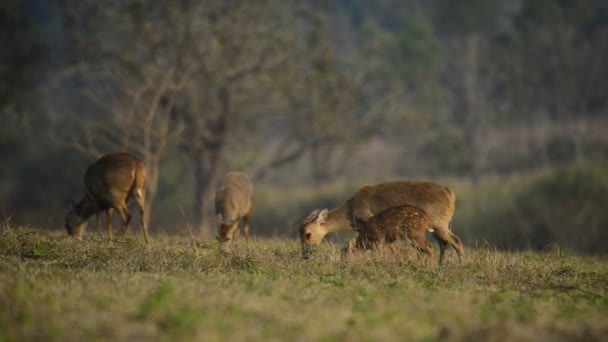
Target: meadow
[{"x": 53, "y": 287}]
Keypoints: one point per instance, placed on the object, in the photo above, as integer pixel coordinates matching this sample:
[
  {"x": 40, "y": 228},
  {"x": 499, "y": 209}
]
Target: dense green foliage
[
  {"x": 559, "y": 208},
  {"x": 56, "y": 288}
]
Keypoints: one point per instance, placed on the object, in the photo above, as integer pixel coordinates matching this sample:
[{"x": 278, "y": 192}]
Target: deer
[
  {"x": 233, "y": 202},
  {"x": 111, "y": 183},
  {"x": 437, "y": 201},
  {"x": 391, "y": 225}
]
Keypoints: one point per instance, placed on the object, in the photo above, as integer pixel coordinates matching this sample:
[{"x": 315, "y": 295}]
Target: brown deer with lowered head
[
  {"x": 394, "y": 224},
  {"x": 233, "y": 201},
  {"x": 438, "y": 202},
  {"x": 110, "y": 184}
]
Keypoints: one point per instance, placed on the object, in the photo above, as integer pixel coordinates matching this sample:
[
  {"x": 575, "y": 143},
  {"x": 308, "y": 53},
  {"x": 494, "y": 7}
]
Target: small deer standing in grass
[
  {"x": 394, "y": 224},
  {"x": 110, "y": 184},
  {"x": 438, "y": 202},
  {"x": 233, "y": 201}
]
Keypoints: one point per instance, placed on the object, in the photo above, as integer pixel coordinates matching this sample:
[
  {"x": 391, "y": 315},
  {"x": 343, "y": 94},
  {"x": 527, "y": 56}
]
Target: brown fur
[
  {"x": 437, "y": 201},
  {"x": 394, "y": 224},
  {"x": 233, "y": 201},
  {"x": 110, "y": 183}
]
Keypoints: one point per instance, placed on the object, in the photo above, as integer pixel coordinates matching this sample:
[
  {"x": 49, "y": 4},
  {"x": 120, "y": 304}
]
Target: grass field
[{"x": 56, "y": 288}]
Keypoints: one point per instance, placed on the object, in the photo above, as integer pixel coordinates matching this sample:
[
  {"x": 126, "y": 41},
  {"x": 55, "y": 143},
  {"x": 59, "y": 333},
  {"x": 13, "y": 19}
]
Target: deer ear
[
  {"x": 313, "y": 215},
  {"x": 322, "y": 216}
]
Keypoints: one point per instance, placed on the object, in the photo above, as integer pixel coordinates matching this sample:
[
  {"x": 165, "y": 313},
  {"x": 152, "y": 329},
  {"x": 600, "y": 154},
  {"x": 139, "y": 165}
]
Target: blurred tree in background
[{"x": 306, "y": 97}]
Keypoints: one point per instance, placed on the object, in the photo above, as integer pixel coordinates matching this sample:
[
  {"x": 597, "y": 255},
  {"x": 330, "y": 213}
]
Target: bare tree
[
  {"x": 242, "y": 77},
  {"x": 241, "y": 46},
  {"x": 129, "y": 86},
  {"x": 133, "y": 116}
]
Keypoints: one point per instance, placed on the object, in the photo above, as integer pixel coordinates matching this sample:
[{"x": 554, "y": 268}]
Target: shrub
[{"x": 563, "y": 207}]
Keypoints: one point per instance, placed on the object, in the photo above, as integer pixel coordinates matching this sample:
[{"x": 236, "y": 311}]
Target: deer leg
[
  {"x": 456, "y": 243},
  {"x": 394, "y": 246},
  {"x": 377, "y": 245},
  {"x": 350, "y": 247},
  {"x": 98, "y": 217},
  {"x": 126, "y": 218},
  {"x": 439, "y": 235},
  {"x": 416, "y": 243},
  {"x": 430, "y": 251},
  {"x": 141, "y": 205},
  {"x": 365, "y": 243},
  {"x": 423, "y": 246},
  {"x": 236, "y": 230},
  {"x": 246, "y": 220},
  {"x": 109, "y": 217},
  {"x": 442, "y": 247}
]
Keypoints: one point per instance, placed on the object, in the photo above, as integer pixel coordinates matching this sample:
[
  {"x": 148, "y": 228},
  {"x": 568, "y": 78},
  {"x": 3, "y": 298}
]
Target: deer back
[
  {"x": 437, "y": 201},
  {"x": 234, "y": 197},
  {"x": 113, "y": 178}
]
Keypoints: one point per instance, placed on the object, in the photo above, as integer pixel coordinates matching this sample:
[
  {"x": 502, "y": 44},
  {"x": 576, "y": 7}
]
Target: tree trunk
[
  {"x": 208, "y": 166},
  {"x": 199, "y": 184},
  {"x": 581, "y": 130},
  {"x": 474, "y": 103},
  {"x": 206, "y": 178},
  {"x": 202, "y": 186}
]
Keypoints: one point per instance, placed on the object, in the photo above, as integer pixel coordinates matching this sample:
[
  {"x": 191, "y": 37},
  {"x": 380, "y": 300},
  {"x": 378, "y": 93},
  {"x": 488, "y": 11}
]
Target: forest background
[{"x": 503, "y": 101}]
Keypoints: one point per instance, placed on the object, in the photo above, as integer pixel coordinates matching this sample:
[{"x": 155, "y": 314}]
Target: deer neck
[
  {"x": 85, "y": 208},
  {"x": 338, "y": 220}
]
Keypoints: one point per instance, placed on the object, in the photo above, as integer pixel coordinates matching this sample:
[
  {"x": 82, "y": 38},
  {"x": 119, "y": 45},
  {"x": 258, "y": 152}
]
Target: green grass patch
[{"x": 53, "y": 287}]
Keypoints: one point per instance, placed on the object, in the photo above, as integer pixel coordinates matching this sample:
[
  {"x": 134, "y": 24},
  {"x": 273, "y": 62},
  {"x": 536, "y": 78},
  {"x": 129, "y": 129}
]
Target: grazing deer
[
  {"x": 394, "y": 224},
  {"x": 110, "y": 184},
  {"x": 438, "y": 202},
  {"x": 233, "y": 201}
]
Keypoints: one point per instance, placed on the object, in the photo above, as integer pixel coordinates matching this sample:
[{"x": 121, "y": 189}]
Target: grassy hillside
[{"x": 55, "y": 288}]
